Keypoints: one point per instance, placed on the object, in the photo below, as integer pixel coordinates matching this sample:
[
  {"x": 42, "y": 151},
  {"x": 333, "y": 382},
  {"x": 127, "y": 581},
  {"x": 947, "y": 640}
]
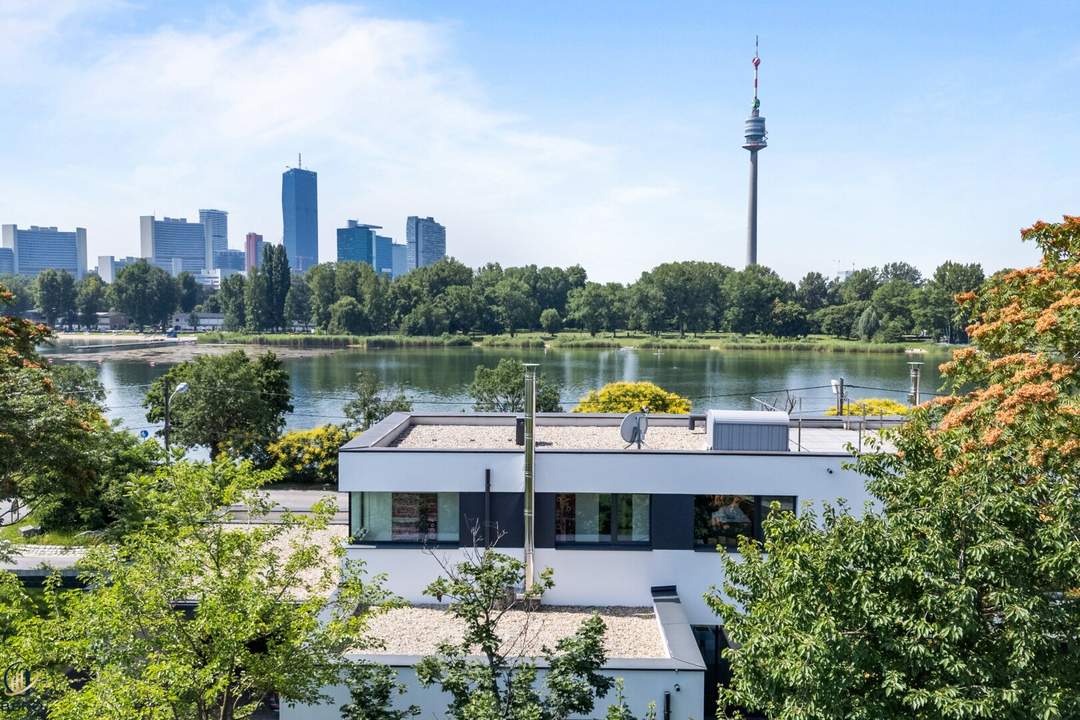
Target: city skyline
[{"x": 925, "y": 147}]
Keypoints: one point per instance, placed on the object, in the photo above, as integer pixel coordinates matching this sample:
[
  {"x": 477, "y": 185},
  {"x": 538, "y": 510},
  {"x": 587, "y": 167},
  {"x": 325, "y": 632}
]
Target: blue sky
[{"x": 605, "y": 133}]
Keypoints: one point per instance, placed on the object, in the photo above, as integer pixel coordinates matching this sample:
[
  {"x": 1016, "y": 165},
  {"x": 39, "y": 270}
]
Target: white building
[{"x": 627, "y": 531}]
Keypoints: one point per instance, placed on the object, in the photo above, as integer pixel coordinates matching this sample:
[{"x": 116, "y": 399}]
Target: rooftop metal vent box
[{"x": 748, "y": 430}]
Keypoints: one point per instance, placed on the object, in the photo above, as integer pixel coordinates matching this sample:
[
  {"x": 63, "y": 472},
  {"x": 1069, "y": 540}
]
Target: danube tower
[{"x": 755, "y": 140}]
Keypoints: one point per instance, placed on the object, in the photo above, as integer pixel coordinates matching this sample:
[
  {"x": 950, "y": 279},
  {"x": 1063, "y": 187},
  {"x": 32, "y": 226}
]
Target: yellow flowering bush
[
  {"x": 623, "y": 397},
  {"x": 873, "y": 406},
  {"x": 309, "y": 456}
]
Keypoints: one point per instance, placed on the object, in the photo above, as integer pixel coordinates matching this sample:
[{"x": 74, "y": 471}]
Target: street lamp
[{"x": 181, "y": 388}]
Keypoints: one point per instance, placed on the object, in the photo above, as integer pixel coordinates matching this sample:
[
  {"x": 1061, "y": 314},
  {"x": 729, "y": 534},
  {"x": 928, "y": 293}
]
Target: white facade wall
[
  {"x": 641, "y": 686},
  {"x": 589, "y": 576}
]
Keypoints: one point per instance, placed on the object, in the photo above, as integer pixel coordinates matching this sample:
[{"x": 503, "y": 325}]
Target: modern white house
[{"x": 634, "y": 533}]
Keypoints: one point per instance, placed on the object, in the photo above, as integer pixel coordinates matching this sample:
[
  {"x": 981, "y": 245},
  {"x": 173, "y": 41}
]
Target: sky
[{"x": 602, "y": 133}]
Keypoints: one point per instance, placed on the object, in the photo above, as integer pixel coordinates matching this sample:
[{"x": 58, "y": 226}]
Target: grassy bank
[
  {"x": 569, "y": 340},
  {"x": 52, "y": 537}
]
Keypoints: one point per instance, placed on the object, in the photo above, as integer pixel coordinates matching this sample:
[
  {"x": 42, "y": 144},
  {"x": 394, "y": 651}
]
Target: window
[
  {"x": 723, "y": 519},
  {"x": 602, "y": 518},
  {"x": 404, "y": 517}
]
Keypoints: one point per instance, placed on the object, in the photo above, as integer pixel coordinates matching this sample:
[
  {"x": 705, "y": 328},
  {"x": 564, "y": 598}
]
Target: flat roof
[
  {"x": 632, "y": 632},
  {"x": 567, "y": 431}
]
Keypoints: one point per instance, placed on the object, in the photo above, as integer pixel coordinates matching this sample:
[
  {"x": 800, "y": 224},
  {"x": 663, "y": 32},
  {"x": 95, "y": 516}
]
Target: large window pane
[
  {"x": 589, "y": 518},
  {"x": 722, "y": 519},
  {"x": 405, "y": 517}
]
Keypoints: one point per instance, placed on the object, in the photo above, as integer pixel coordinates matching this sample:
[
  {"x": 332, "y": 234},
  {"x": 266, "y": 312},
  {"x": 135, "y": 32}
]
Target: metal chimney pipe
[
  {"x": 530, "y": 474},
  {"x": 916, "y": 372}
]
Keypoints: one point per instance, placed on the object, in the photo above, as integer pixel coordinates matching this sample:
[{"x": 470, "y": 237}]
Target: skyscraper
[
  {"x": 383, "y": 260},
  {"x": 426, "y": 241},
  {"x": 253, "y": 251},
  {"x": 216, "y": 231},
  {"x": 399, "y": 263},
  {"x": 356, "y": 242},
  {"x": 755, "y": 137},
  {"x": 300, "y": 217},
  {"x": 173, "y": 244},
  {"x": 42, "y": 248},
  {"x": 7, "y": 261},
  {"x": 109, "y": 266}
]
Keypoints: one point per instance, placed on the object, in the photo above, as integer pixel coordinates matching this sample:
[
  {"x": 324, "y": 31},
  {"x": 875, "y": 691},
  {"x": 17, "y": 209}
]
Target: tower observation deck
[{"x": 755, "y": 140}]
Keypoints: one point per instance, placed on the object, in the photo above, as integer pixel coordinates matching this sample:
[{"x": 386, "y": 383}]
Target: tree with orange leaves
[{"x": 958, "y": 596}]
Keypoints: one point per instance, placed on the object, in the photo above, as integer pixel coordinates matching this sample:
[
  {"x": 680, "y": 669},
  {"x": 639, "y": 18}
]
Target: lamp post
[{"x": 181, "y": 388}]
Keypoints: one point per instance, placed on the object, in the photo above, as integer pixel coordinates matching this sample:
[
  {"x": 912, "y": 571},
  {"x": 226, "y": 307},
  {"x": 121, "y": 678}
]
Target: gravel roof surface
[
  {"x": 606, "y": 437},
  {"x": 584, "y": 437},
  {"x": 632, "y": 632}
]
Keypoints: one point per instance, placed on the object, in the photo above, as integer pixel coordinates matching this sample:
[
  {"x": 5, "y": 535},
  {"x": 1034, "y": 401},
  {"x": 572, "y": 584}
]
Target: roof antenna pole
[{"x": 300, "y": 156}]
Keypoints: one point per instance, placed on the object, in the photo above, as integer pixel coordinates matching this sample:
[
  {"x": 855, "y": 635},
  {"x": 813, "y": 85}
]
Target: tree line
[{"x": 877, "y": 304}]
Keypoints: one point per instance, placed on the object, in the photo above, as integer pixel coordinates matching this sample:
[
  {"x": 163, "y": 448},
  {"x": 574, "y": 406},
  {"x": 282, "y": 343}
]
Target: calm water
[{"x": 437, "y": 380}]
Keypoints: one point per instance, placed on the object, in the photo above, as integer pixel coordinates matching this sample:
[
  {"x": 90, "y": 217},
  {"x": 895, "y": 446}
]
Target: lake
[{"x": 437, "y": 379}]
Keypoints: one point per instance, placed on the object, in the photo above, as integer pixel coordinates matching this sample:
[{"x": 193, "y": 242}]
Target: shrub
[
  {"x": 873, "y": 406},
  {"x": 620, "y": 397},
  {"x": 309, "y": 456}
]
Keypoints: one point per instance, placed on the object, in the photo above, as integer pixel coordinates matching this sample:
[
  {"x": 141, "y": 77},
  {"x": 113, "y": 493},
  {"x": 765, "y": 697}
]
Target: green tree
[
  {"x": 501, "y": 686},
  {"x": 840, "y": 320},
  {"x": 298, "y": 304},
  {"x": 90, "y": 300},
  {"x": 937, "y": 308},
  {"x": 233, "y": 300},
  {"x": 517, "y": 308},
  {"x": 258, "y": 313},
  {"x": 189, "y": 617},
  {"x": 425, "y": 319},
  {"x": 868, "y": 323},
  {"x": 502, "y": 389},
  {"x": 370, "y": 406},
  {"x": 347, "y": 317},
  {"x": 188, "y": 292},
  {"x": 145, "y": 293},
  {"x": 894, "y": 302},
  {"x": 788, "y": 319},
  {"x": 625, "y": 397},
  {"x": 902, "y": 271},
  {"x": 550, "y": 321},
  {"x": 21, "y": 288},
  {"x": 859, "y": 285},
  {"x": 813, "y": 291},
  {"x": 372, "y": 688},
  {"x": 751, "y": 295},
  {"x": 322, "y": 281},
  {"x": 460, "y": 304},
  {"x": 588, "y": 307},
  {"x": 953, "y": 596},
  {"x": 278, "y": 284},
  {"x": 233, "y": 404},
  {"x": 55, "y": 291},
  {"x": 647, "y": 310}
]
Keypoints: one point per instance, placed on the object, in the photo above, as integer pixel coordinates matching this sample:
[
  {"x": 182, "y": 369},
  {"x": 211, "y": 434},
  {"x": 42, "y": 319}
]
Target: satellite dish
[{"x": 633, "y": 427}]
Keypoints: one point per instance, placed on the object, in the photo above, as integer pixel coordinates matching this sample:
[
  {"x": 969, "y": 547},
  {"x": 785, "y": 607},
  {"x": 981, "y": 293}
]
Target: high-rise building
[
  {"x": 41, "y": 248},
  {"x": 384, "y": 255},
  {"x": 230, "y": 262},
  {"x": 7, "y": 261},
  {"x": 253, "y": 251},
  {"x": 399, "y": 263},
  {"x": 356, "y": 242},
  {"x": 755, "y": 140},
  {"x": 300, "y": 217},
  {"x": 108, "y": 266},
  {"x": 426, "y": 241},
  {"x": 173, "y": 244},
  {"x": 216, "y": 233}
]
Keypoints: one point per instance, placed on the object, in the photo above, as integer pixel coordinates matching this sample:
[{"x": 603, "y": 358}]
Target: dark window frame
[
  {"x": 613, "y": 541},
  {"x": 757, "y": 522},
  {"x": 355, "y": 539}
]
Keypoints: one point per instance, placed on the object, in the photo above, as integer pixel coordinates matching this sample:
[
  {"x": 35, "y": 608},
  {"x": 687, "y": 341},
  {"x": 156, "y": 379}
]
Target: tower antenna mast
[{"x": 755, "y": 140}]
